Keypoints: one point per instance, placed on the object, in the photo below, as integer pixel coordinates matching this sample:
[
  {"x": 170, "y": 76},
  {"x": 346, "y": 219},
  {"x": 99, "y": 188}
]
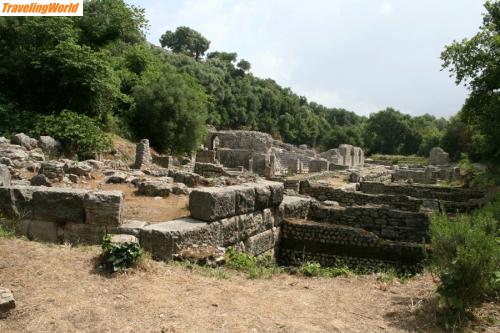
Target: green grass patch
[{"x": 401, "y": 159}]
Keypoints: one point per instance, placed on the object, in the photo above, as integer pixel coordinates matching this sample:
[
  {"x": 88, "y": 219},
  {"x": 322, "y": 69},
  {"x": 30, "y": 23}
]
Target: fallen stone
[
  {"x": 4, "y": 175},
  {"x": 49, "y": 144},
  {"x": 40, "y": 180},
  {"x": 25, "y": 141},
  {"x": 52, "y": 170},
  {"x": 124, "y": 239},
  {"x": 7, "y": 301}
]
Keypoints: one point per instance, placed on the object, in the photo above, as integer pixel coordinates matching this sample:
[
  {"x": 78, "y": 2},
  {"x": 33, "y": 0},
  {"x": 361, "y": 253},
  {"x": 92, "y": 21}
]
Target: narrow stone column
[{"x": 142, "y": 155}]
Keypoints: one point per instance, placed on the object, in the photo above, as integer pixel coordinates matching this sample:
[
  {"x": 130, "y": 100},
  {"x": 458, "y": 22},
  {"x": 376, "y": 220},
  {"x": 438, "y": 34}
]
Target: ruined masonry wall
[
  {"x": 61, "y": 215},
  {"x": 325, "y": 192},
  {"x": 330, "y": 245}
]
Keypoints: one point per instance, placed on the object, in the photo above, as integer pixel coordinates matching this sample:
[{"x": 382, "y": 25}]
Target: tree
[
  {"x": 185, "y": 40},
  {"x": 243, "y": 65},
  {"x": 475, "y": 62},
  {"x": 170, "y": 110},
  {"x": 389, "y": 132}
]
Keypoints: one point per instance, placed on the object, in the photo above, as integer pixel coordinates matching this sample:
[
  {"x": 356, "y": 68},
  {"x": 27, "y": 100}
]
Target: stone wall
[
  {"x": 142, "y": 155},
  {"x": 61, "y": 215},
  {"x": 350, "y": 198},
  {"x": 383, "y": 221},
  {"x": 330, "y": 244},
  {"x": 210, "y": 170},
  {"x": 422, "y": 191}
]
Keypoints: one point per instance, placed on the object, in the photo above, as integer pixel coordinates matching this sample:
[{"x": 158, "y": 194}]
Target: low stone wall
[
  {"x": 422, "y": 191},
  {"x": 383, "y": 221},
  {"x": 330, "y": 244},
  {"x": 350, "y": 198},
  {"x": 61, "y": 215},
  {"x": 210, "y": 170}
]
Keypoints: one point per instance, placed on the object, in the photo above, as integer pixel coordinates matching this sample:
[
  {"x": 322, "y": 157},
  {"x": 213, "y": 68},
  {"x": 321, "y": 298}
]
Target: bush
[
  {"x": 313, "y": 269},
  {"x": 466, "y": 257},
  {"x": 78, "y": 133},
  {"x": 119, "y": 256}
]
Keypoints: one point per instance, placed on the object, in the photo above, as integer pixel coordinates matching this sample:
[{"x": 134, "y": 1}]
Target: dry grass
[{"x": 58, "y": 290}]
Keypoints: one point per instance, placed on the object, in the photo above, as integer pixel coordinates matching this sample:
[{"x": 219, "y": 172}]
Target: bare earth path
[{"x": 57, "y": 290}]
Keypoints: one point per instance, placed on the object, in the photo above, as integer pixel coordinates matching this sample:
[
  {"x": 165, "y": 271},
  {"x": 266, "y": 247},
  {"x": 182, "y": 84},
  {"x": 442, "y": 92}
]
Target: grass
[
  {"x": 5, "y": 231},
  {"x": 401, "y": 159}
]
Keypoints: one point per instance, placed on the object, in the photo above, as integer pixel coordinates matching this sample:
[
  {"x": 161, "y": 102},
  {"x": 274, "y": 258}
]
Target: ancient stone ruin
[{"x": 330, "y": 207}]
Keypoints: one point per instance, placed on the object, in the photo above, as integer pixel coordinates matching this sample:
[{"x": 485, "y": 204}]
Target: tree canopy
[{"x": 101, "y": 67}]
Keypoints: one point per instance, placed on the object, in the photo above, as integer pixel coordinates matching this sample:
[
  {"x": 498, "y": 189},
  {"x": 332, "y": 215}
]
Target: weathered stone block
[
  {"x": 16, "y": 201},
  {"x": 211, "y": 204},
  {"x": 260, "y": 243},
  {"x": 251, "y": 224},
  {"x": 59, "y": 205},
  {"x": 297, "y": 207},
  {"x": 7, "y": 301},
  {"x": 4, "y": 175},
  {"x": 103, "y": 208},
  {"x": 229, "y": 231},
  {"x": 129, "y": 228},
  {"x": 77, "y": 233},
  {"x": 245, "y": 199},
  {"x": 319, "y": 165},
  {"x": 50, "y": 232},
  {"x": 262, "y": 196}
]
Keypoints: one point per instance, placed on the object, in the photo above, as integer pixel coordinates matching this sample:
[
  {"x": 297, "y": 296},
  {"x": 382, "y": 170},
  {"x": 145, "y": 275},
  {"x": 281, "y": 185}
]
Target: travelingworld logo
[{"x": 41, "y": 8}]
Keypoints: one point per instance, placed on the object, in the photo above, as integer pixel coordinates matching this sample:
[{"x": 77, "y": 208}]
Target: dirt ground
[
  {"x": 148, "y": 209},
  {"x": 58, "y": 289},
  {"x": 143, "y": 208}
]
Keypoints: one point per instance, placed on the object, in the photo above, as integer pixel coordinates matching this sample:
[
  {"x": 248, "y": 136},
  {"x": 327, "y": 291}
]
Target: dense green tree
[
  {"x": 185, "y": 40},
  {"x": 388, "y": 132},
  {"x": 170, "y": 110},
  {"x": 475, "y": 62},
  {"x": 243, "y": 65}
]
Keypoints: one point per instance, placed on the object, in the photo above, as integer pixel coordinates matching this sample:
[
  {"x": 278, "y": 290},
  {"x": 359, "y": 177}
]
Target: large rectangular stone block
[
  {"x": 79, "y": 233},
  {"x": 45, "y": 231},
  {"x": 59, "y": 205},
  {"x": 229, "y": 229},
  {"x": 260, "y": 243},
  {"x": 16, "y": 201},
  {"x": 157, "y": 239},
  {"x": 211, "y": 204},
  {"x": 103, "y": 208},
  {"x": 277, "y": 189},
  {"x": 245, "y": 199}
]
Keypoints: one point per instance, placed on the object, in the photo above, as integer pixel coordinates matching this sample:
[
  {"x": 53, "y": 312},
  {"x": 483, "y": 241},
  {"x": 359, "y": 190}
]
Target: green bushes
[
  {"x": 466, "y": 257},
  {"x": 118, "y": 256},
  {"x": 78, "y": 133}
]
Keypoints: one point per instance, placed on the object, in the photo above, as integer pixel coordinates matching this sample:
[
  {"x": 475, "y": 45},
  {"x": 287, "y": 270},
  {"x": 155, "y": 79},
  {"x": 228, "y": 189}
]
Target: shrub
[
  {"x": 313, "y": 269},
  {"x": 78, "y": 133},
  {"x": 466, "y": 257},
  {"x": 118, "y": 256}
]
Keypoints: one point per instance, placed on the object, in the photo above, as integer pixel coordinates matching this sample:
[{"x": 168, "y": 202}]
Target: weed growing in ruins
[
  {"x": 262, "y": 266},
  {"x": 212, "y": 272},
  {"x": 466, "y": 258},
  {"x": 314, "y": 269},
  {"x": 5, "y": 230},
  {"x": 118, "y": 256}
]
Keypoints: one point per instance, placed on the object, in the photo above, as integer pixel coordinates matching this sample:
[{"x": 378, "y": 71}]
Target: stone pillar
[{"x": 142, "y": 155}]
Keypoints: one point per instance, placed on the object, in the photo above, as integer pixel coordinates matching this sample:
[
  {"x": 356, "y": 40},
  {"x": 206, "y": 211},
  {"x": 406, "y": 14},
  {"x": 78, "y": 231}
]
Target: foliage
[
  {"x": 314, "y": 269},
  {"x": 401, "y": 159},
  {"x": 185, "y": 40},
  {"x": 77, "y": 133},
  {"x": 5, "y": 230},
  {"x": 475, "y": 62},
  {"x": 117, "y": 257},
  {"x": 170, "y": 109},
  {"x": 466, "y": 257},
  {"x": 101, "y": 66},
  {"x": 255, "y": 267}
]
